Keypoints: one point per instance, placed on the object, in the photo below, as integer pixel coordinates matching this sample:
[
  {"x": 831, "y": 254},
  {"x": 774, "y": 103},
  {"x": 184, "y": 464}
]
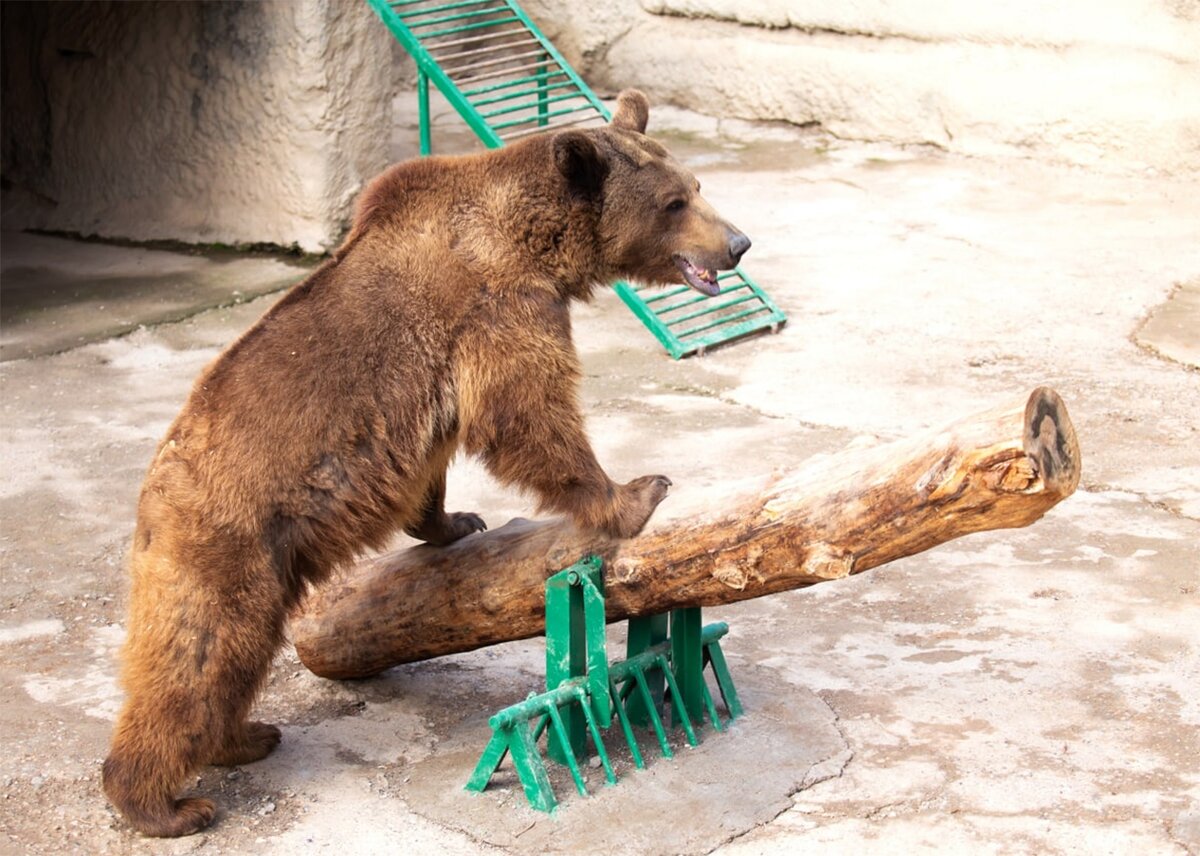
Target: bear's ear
[
  {"x": 633, "y": 111},
  {"x": 580, "y": 163}
]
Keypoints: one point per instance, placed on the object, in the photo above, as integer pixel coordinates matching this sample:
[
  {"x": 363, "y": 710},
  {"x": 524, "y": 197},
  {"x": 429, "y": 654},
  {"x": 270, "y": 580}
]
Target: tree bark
[{"x": 833, "y": 516}]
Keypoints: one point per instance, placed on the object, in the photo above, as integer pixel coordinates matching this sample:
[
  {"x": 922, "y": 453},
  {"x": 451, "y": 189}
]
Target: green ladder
[{"x": 508, "y": 81}]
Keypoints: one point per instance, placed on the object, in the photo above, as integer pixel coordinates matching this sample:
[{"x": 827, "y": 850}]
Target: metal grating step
[
  {"x": 686, "y": 322},
  {"x": 508, "y": 81}
]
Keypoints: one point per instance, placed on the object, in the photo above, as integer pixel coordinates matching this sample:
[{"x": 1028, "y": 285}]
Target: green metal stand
[
  {"x": 646, "y": 632},
  {"x": 507, "y": 81},
  {"x": 583, "y": 690},
  {"x": 575, "y": 646}
]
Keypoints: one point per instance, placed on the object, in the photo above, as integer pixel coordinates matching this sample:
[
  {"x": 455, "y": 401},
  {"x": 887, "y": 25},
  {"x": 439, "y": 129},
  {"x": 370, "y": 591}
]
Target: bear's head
[{"x": 654, "y": 225}]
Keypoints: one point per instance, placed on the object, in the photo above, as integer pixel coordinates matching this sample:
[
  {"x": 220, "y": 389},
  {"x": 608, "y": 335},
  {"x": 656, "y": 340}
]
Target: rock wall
[
  {"x": 1113, "y": 84},
  {"x": 231, "y": 122}
]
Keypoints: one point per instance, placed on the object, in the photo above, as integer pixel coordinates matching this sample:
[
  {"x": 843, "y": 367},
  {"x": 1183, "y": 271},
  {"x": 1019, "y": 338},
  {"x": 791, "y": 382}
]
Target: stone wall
[
  {"x": 1113, "y": 84},
  {"x": 231, "y": 122},
  {"x": 244, "y": 122}
]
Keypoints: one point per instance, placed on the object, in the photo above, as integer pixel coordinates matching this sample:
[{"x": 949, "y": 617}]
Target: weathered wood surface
[{"x": 833, "y": 516}]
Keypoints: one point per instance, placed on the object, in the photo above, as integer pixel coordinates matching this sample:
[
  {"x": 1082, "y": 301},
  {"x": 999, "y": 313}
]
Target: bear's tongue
[{"x": 701, "y": 279}]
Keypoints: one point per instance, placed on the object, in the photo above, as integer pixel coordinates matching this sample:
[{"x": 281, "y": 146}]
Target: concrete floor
[{"x": 1020, "y": 691}]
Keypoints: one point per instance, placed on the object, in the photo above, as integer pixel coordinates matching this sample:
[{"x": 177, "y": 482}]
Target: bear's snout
[{"x": 738, "y": 244}]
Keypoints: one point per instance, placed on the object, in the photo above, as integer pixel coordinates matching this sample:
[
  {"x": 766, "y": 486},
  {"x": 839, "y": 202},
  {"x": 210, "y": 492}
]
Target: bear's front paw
[
  {"x": 463, "y": 523},
  {"x": 639, "y": 499}
]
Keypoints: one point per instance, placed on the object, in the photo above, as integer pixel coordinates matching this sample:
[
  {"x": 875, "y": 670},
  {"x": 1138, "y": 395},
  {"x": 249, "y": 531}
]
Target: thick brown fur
[{"x": 440, "y": 325}]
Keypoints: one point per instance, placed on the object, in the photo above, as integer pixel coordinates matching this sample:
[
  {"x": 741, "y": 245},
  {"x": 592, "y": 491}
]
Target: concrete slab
[
  {"x": 61, "y": 294},
  {"x": 1170, "y": 331},
  {"x": 1028, "y": 691}
]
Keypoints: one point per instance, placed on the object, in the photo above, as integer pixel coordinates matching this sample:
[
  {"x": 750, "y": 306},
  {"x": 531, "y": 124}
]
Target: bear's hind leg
[
  {"x": 189, "y": 692},
  {"x": 151, "y": 756},
  {"x": 240, "y": 673},
  {"x": 246, "y": 743}
]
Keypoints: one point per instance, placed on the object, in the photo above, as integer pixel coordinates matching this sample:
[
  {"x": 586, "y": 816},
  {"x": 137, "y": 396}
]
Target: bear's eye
[{"x": 675, "y": 205}]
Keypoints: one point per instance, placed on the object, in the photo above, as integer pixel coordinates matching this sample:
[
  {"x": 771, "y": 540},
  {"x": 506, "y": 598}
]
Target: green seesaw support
[
  {"x": 507, "y": 81},
  {"x": 665, "y": 663}
]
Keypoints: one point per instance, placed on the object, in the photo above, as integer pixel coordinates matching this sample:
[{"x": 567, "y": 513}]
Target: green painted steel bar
[
  {"x": 576, "y": 695},
  {"x": 727, "y": 319},
  {"x": 543, "y": 103},
  {"x": 517, "y": 743},
  {"x": 498, "y": 86},
  {"x": 468, "y": 27},
  {"x": 412, "y": 25},
  {"x": 675, "y": 344},
  {"x": 435, "y": 74},
  {"x": 646, "y": 632},
  {"x": 529, "y": 105},
  {"x": 535, "y": 705},
  {"x": 714, "y": 655},
  {"x": 575, "y": 645},
  {"x": 699, "y": 298},
  {"x": 476, "y": 53},
  {"x": 637, "y": 667},
  {"x": 497, "y": 61},
  {"x": 709, "y": 309},
  {"x": 558, "y": 58},
  {"x": 460, "y": 44},
  {"x": 707, "y": 641},
  {"x": 521, "y": 93},
  {"x": 592, "y": 582},
  {"x": 516, "y": 134},
  {"x": 626, "y": 727},
  {"x": 593, "y": 728},
  {"x": 637, "y": 680},
  {"x": 646, "y": 315},
  {"x": 491, "y": 758},
  {"x": 530, "y": 770},
  {"x": 711, "y": 708},
  {"x": 566, "y": 653},
  {"x": 678, "y": 703},
  {"x": 565, "y": 747},
  {"x": 513, "y": 736},
  {"x": 683, "y": 289},
  {"x": 500, "y": 125},
  {"x": 423, "y": 112},
  {"x": 490, "y": 75},
  {"x": 445, "y": 7},
  {"x": 687, "y": 664},
  {"x": 762, "y": 323}
]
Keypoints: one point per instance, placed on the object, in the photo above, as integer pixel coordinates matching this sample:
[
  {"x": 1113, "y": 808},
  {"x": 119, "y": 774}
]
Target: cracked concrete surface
[{"x": 1019, "y": 691}]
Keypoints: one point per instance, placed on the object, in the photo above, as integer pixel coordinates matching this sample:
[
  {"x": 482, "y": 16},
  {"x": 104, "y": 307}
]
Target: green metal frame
[
  {"x": 691, "y": 325},
  {"x": 583, "y": 690}
]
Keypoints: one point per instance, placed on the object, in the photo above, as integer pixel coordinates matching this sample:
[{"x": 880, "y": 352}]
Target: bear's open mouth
[{"x": 701, "y": 279}]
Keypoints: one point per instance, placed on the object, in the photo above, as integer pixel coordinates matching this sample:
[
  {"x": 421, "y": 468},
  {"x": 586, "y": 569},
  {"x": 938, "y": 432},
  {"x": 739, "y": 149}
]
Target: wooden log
[{"x": 834, "y": 516}]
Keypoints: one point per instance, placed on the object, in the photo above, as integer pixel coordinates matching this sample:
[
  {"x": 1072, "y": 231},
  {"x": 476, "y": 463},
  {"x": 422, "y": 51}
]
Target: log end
[{"x": 1050, "y": 442}]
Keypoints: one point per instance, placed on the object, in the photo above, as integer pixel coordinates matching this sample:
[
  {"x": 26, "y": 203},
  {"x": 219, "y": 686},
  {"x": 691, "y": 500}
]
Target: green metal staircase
[{"x": 508, "y": 81}]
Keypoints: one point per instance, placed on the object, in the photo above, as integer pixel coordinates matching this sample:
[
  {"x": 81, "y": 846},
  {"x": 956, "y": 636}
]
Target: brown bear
[{"x": 441, "y": 324}]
